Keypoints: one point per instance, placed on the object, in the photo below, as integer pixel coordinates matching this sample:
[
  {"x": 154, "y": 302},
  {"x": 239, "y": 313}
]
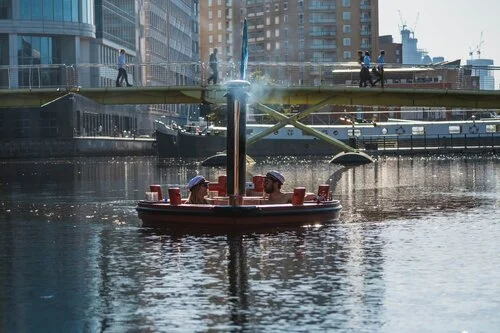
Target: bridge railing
[{"x": 274, "y": 73}]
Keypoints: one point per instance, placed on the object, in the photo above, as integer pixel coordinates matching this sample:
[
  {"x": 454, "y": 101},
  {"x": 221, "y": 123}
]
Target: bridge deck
[{"x": 307, "y": 95}]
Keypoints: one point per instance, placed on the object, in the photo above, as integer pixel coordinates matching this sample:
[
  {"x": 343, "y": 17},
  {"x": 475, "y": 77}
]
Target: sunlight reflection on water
[{"x": 416, "y": 250}]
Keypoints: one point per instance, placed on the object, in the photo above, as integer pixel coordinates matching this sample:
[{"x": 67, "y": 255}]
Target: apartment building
[{"x": 290, "y": 31}]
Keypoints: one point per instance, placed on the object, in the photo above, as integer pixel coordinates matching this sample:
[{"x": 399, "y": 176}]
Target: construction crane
[
  {"x": 403, "y": 23},
  {"x": 412, "y": 29},
  {"x": 477, "y": 49}
]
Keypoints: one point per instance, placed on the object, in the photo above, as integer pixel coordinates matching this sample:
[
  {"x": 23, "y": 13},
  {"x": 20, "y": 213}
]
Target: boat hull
[
  {"x": 375, "y": 136},
  {"x": 189, "y": 145},
  {"x": 234, "y": 217}
]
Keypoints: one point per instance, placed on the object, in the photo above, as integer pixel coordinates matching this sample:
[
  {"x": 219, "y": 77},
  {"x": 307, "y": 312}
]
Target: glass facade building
[
  {"x": 57, "y": 10},
  {"x": 116, "y": 23},
  {"x": 45, "y": 34}
]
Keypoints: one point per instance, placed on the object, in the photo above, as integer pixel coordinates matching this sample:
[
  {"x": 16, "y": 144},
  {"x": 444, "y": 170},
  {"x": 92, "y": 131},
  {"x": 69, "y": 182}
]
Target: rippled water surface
[{"x": 417, "y": 250}]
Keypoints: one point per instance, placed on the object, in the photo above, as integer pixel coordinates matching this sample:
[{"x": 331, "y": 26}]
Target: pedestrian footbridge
[{"x": 271, "y": 83}]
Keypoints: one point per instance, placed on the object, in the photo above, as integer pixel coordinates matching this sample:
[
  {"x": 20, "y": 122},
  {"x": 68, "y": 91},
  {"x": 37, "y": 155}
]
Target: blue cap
[{"x": 195, "y": 181}]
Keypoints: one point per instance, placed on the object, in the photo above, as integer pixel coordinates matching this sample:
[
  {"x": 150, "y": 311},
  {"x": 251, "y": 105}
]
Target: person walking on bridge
[
  {"x": 380, "y": 68},
  {"x": 122, "y": 72},
  {"x": 213, "y": 63},
  {"x": 365, "y": 71}
]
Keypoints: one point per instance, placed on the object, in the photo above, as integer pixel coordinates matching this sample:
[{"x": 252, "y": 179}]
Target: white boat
[{"x": 291, "y": 141}]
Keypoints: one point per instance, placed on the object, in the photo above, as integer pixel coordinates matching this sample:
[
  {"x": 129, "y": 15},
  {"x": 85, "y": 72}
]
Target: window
[
  {"x": 268, "y": 33},
  {"x": 210, "y": 27},
  {"x": 285, "y": 18},
  {"x": 418, "y": 130},
  {"x": 219, "y": 13},
  {"x": 277, "y": 33},
  {"x": 219, "y": 38},
  {"x": 356, "y": 132},
  {"x": 346, "y": 42},
  {"x": 48, "y": 123},
  {"x": 492, "y": 128},
  {"x": 5, "y": 10},
  {"x": 454, "y": 129},
  {"x": 53, "y": 10},
  {"x": 277, "y": 20},
  {"x": 277, "y": 45},
  {"x": 346, "y": 3},
  {"x": 210, "y": 39},
  {"x": 268, "y": 21},
  {"x": 346, "y": 28},
  {"x": 210, "y": 14},
  {"x": 347, "y": 55},
  {"x": 268, "y": 46},
  {"x": 346, "y": 16}
]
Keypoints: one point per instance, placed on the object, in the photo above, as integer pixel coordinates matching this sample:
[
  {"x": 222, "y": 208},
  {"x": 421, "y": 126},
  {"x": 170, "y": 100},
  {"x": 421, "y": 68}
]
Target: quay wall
[{"x": 76, "y": 147}]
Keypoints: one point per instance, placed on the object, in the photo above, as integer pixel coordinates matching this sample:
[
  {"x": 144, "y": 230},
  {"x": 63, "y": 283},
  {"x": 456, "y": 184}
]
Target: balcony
[
  {"x": 322, "y": 46},
  {"x": 322, "y": 7},
  {"x": 322, "y": 33},
  {"x": 325, "y": 20}
]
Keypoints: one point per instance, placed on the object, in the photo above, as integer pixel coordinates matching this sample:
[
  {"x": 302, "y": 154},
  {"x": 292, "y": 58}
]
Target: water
[{"x": 416, "y": 250}]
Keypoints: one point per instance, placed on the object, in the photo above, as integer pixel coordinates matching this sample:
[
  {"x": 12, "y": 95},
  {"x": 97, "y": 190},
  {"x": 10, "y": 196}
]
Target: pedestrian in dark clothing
[
  {"x": 365, "y": 71},
  {"x": 360, "y": 61},
  {"x": 122, "y": 72},
  {"x": 380, "y": 69},
  {"x": 213, "y": 66}
]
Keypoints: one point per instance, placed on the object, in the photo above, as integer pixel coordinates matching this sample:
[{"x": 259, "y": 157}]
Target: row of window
[
  {"x": 414, "y": 130},
  {"x": 57, "y": 10},
  {"x": 317, "y": 4},
  {"x": 313, "y": 18}
]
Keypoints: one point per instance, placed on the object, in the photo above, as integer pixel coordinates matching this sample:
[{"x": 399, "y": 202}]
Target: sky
[{"x": 447, "y": 28}]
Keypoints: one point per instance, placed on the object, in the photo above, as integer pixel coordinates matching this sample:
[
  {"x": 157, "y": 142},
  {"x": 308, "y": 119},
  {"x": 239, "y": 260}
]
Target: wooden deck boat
[
  {"x": 235, "y": 217},
  {"x": 231, "y": 208}
]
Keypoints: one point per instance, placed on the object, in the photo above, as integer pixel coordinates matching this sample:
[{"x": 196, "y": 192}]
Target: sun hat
[
  {"x": 275, "y": 175},
  {"x": 195, "y": 181}
]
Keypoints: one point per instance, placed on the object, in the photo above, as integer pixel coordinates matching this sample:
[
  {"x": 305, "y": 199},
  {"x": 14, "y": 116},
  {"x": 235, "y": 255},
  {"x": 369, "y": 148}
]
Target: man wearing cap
[
  {"x": 272, "y": 186},
  {"x": 198, "y": 189}
]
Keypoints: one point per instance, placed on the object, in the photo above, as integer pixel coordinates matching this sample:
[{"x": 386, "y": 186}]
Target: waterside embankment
[{"x": 76, "y": 147}]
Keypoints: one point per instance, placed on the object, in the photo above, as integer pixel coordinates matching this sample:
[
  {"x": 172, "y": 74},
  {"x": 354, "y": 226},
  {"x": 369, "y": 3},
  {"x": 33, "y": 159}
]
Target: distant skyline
[{"x": 447, "y": 28}]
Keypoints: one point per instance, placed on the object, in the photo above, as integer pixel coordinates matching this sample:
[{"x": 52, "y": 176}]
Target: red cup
[
  {"x": 222, "y": 185},
  {"x": 258, "y": 182},
  {"x": 323, "y": 191},
  {"x": 298, "y": 195},
  {"x": 156, "y": 188},
  {"x": 174, "y": 194}
]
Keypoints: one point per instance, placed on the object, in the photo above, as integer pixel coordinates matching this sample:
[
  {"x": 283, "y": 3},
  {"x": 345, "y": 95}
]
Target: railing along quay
[{"x": 418, "y": 144}]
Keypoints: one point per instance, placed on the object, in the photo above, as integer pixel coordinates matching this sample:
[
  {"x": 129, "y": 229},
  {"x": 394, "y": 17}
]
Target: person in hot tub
[
  {"x": 272, "y": 186},
  {"x": 198, "y": 190}
]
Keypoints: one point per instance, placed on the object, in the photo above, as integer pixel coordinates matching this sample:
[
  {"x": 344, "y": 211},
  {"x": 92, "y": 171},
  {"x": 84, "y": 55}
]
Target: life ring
[
  {"x": 400, "y": 130},
  {"x": 473, "y": 129}
]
